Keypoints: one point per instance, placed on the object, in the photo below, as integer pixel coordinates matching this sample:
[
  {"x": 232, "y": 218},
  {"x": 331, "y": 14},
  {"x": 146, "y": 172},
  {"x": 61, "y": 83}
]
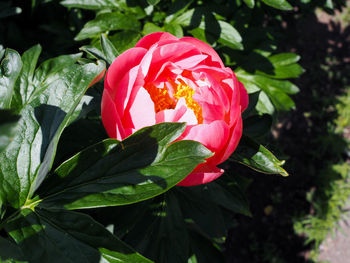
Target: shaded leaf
[
  {"x": 117, "y": 173},
  {"x": 161, "y": 233},
  {"x": 10, "y": 252},
  {"x": 64, "y": 236},
  {"x": 256, "y": 126},
  {"x": 10, "y": 11},
  {"x": 107, "y": 22}
]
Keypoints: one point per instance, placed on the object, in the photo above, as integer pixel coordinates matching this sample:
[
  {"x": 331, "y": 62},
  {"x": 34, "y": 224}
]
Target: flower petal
[
  {"x": 235, "y": 136},
  {"x": 180, "y": 114},
  {"x": 205, "y": 48},
  {"x": 141, "y": 112},
  {"x": 120, "y": 67},
  {"x": 149, "y": 40},
  {"x": 214, "y": 135},
  {"x": 110, "y": 117},
  {"x": 243, "y": 96},
  {"x": 202, "y": 175}
]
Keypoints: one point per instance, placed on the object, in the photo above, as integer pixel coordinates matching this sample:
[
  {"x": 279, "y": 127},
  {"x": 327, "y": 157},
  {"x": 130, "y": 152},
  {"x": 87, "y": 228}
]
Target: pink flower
[{"x": 167, "y": 79}]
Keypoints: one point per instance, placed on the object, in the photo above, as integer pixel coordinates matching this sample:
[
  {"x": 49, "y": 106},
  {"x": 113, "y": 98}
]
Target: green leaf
[
  {"x": 277, "y": 90},
  {"x": 256, "y": 126},
  {"x": 8, "y": 122},
  {"x": 95, "y": 52},
  {"x": 93, "y": 4},
  {"x": 203, "y": 250},
  {"x": 174, "y": 29},
  {"x": 229, "y": 36},
  {"x": 107, "y": 22},
  {"x": 108, "y": 49},
  {"x": 160, "y": 234},
  {"x": 279, "y": 4},
  {"x": 10, "y": 68},
  {"x": 24, "y": 84},
  {"x": 150, "y": 28},
  {"x": 257, "y": 157},
  {"x": 177, "y": 8},
  {"x": 63, "y": 236},
  {"x": 10, "y": 252},
  {"x": 125, "y": 39},
  {"x": 183, "y": 19},
  {"x": 51, "y": 94},
  {"x": 284, "y": 59},
  {"x": 117, "y": 173},
  {"x": 264, "y": 104},
  {"x": 153, "y": 2},
  {"x": 284, "y": 72},
  {"x": 249, "y": 3},
  {"x": 224, "y": 33}
]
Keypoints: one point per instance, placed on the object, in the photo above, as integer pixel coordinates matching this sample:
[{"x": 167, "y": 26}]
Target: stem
[
  {"x": 28, "y": 205},
  {"x": 2, "y": 224}
]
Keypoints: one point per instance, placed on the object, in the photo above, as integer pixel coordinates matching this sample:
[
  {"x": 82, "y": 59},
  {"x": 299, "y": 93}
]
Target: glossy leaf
[
  {"x": 108, "y": 49},
  {"x": 277, "y": 90},
  {"x": 117, "y": 173},
  {"x": 106, "y": 22},
  {"x": 47, "y": 98},
  {"x": 24, "y": 84},
  {"x": 229, "y": 36},
  {"x": 93, "y": 4},
  {"x": 8, "y": 122},
  {"x": 264, "y": 105},
  {"x": 284, "y": 59},
  {"x": 51, "y": 236},
  {"x": 257, "y": 157},
  {"x": 10, "y": 67},
  {"x": 95, "y": 52},
  {"x": 125, "y": 39},
  {"x": 279, "y": 4}
]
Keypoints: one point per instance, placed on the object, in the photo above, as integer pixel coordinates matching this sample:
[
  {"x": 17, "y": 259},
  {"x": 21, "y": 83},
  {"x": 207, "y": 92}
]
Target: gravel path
[{"x": 337, "y": 249}]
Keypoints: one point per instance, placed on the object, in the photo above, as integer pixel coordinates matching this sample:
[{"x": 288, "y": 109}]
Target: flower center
[{"x": 163, "y": 101}]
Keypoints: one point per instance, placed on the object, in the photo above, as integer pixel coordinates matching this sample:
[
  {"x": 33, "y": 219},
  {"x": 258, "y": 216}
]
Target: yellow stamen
[{"x": 163, "y": 101}]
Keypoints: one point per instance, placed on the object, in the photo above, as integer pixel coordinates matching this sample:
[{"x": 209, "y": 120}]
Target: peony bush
[{"x": 94, "y": 145}]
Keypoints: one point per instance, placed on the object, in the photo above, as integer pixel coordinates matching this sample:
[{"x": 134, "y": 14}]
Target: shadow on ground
[{"x": 306, "y": 137}]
